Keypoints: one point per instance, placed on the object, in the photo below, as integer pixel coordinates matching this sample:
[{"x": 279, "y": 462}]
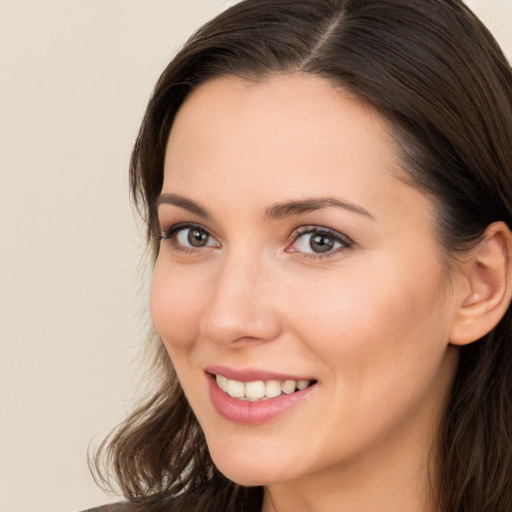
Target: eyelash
[
  {"x": 170, "y": 234},
  {"x": 344, "y": 241}
]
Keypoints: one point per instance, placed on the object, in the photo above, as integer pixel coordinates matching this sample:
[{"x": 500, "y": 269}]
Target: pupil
[
  {"x": 197, "y": 238},
  {"x": 321, "y": 243}
]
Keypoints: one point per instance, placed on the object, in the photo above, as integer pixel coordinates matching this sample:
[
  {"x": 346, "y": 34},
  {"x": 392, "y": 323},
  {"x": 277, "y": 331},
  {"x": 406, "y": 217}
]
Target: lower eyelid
[
  {"x": 317, "y": 256},
  {"x": 184, "y": 250}
]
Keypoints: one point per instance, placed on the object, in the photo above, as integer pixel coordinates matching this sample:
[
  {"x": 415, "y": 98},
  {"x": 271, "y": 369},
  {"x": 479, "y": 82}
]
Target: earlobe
[{"x": 487, "y": 290}]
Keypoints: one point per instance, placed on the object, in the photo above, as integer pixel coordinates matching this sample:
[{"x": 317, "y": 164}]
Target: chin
[
  {"x": 247, "y": 469},
  {"x": 249, "y": 477}
]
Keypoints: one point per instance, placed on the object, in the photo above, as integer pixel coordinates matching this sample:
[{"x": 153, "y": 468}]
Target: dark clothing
[{"x": 113, "y": 507}]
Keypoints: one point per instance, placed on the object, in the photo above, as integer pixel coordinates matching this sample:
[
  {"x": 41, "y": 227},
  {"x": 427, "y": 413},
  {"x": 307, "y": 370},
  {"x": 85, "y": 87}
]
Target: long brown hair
[{"x": 435, "y": 72}]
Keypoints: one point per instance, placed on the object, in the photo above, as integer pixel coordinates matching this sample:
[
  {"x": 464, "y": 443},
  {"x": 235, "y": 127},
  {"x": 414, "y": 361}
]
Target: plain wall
[{"x": 75, "y": 76}]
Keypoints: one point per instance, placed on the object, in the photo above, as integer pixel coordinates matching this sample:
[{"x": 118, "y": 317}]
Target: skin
[{"x": 369, "y": 320}]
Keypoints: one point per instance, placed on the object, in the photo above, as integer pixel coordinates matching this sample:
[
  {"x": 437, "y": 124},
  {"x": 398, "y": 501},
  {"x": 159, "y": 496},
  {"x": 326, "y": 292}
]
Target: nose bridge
[{"x": 240, "y": 306}]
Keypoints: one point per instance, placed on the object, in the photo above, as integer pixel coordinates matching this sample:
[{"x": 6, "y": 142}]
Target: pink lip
[
  {"x": 250, "y": 375},
  {"x": 252, "y": 413}
]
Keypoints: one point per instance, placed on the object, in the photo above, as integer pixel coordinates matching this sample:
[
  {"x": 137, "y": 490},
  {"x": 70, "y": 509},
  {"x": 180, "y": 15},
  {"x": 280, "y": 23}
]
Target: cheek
[
  {"x": 175, "y": 307},
  {"x": 373, "y": 321},
  {"x": 381, "y": 344}
]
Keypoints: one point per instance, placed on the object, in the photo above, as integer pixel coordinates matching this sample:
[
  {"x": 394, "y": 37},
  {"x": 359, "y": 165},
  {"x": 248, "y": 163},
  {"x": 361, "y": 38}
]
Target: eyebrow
[
  {"x": 293, "y": 208},
  {"x": 278, "y": 211},
  {"x": 182, "y": 202}
]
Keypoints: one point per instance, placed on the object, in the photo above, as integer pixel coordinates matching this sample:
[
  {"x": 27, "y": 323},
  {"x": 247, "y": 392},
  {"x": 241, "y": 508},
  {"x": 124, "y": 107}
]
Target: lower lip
[{"x": 242, "y": 411}]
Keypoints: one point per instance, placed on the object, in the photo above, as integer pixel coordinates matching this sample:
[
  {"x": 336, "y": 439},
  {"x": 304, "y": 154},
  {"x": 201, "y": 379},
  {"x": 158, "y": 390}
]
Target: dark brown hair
[{"x": 435, "y": 72}]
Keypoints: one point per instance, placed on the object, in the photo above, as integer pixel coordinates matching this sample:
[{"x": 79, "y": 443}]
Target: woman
[{"x": 327, "y": 192}]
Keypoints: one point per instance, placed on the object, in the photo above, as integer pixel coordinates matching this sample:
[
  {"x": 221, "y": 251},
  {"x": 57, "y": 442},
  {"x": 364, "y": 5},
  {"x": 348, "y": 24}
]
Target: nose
[{"x": 241, "y": 306}]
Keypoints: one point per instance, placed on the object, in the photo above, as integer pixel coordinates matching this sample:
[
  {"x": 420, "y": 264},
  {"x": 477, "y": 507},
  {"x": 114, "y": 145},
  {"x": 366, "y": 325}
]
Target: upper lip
[{"x": 252, "y": 374}]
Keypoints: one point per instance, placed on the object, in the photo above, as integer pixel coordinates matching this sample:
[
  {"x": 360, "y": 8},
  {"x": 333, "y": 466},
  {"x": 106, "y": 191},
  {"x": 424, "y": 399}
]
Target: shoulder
[
  {"x": 126, "y": 506},
  {"x": 113, "y": 507}
]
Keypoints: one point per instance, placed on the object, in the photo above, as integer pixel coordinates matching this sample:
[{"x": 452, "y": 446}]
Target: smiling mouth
[{"x": 259, "y": 390}]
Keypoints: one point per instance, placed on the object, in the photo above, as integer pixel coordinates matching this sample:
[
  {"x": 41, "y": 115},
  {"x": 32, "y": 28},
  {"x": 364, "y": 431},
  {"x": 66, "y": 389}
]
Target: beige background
[{"x": 74, "y": 79}]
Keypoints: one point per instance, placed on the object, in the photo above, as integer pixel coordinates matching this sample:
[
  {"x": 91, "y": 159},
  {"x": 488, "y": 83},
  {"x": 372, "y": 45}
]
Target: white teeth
[
  {"x": 288, "y": 386},
  {"x": 272, "y": 388},
  {"x": 258, "y": 389},
  {"x": 302, "y": 384},
  {"x": 221, "y": 382},
  {"x": 255, "y": 389},
  {"x": 235, "y": 388}
]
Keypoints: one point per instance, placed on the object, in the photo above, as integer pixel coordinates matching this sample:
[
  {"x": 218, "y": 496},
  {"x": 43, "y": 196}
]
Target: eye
[
  {"x": 189, "y": 237},
  {"x": 318, "y": 241},
  {"x": 194, "y": 237}
]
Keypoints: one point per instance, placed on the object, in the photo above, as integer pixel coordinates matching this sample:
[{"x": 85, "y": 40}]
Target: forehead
[
  {"x": 237, "y": 145},
  {"x": 298, "y": 102},
  {"x": 275, "y": 124}
]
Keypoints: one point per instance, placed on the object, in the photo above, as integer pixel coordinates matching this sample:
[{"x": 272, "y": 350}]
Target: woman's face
[{"x": 293, "y": 256}]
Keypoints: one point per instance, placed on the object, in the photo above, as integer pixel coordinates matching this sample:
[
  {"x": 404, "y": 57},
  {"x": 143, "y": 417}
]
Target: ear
[{"x": 486, "y": 288}]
